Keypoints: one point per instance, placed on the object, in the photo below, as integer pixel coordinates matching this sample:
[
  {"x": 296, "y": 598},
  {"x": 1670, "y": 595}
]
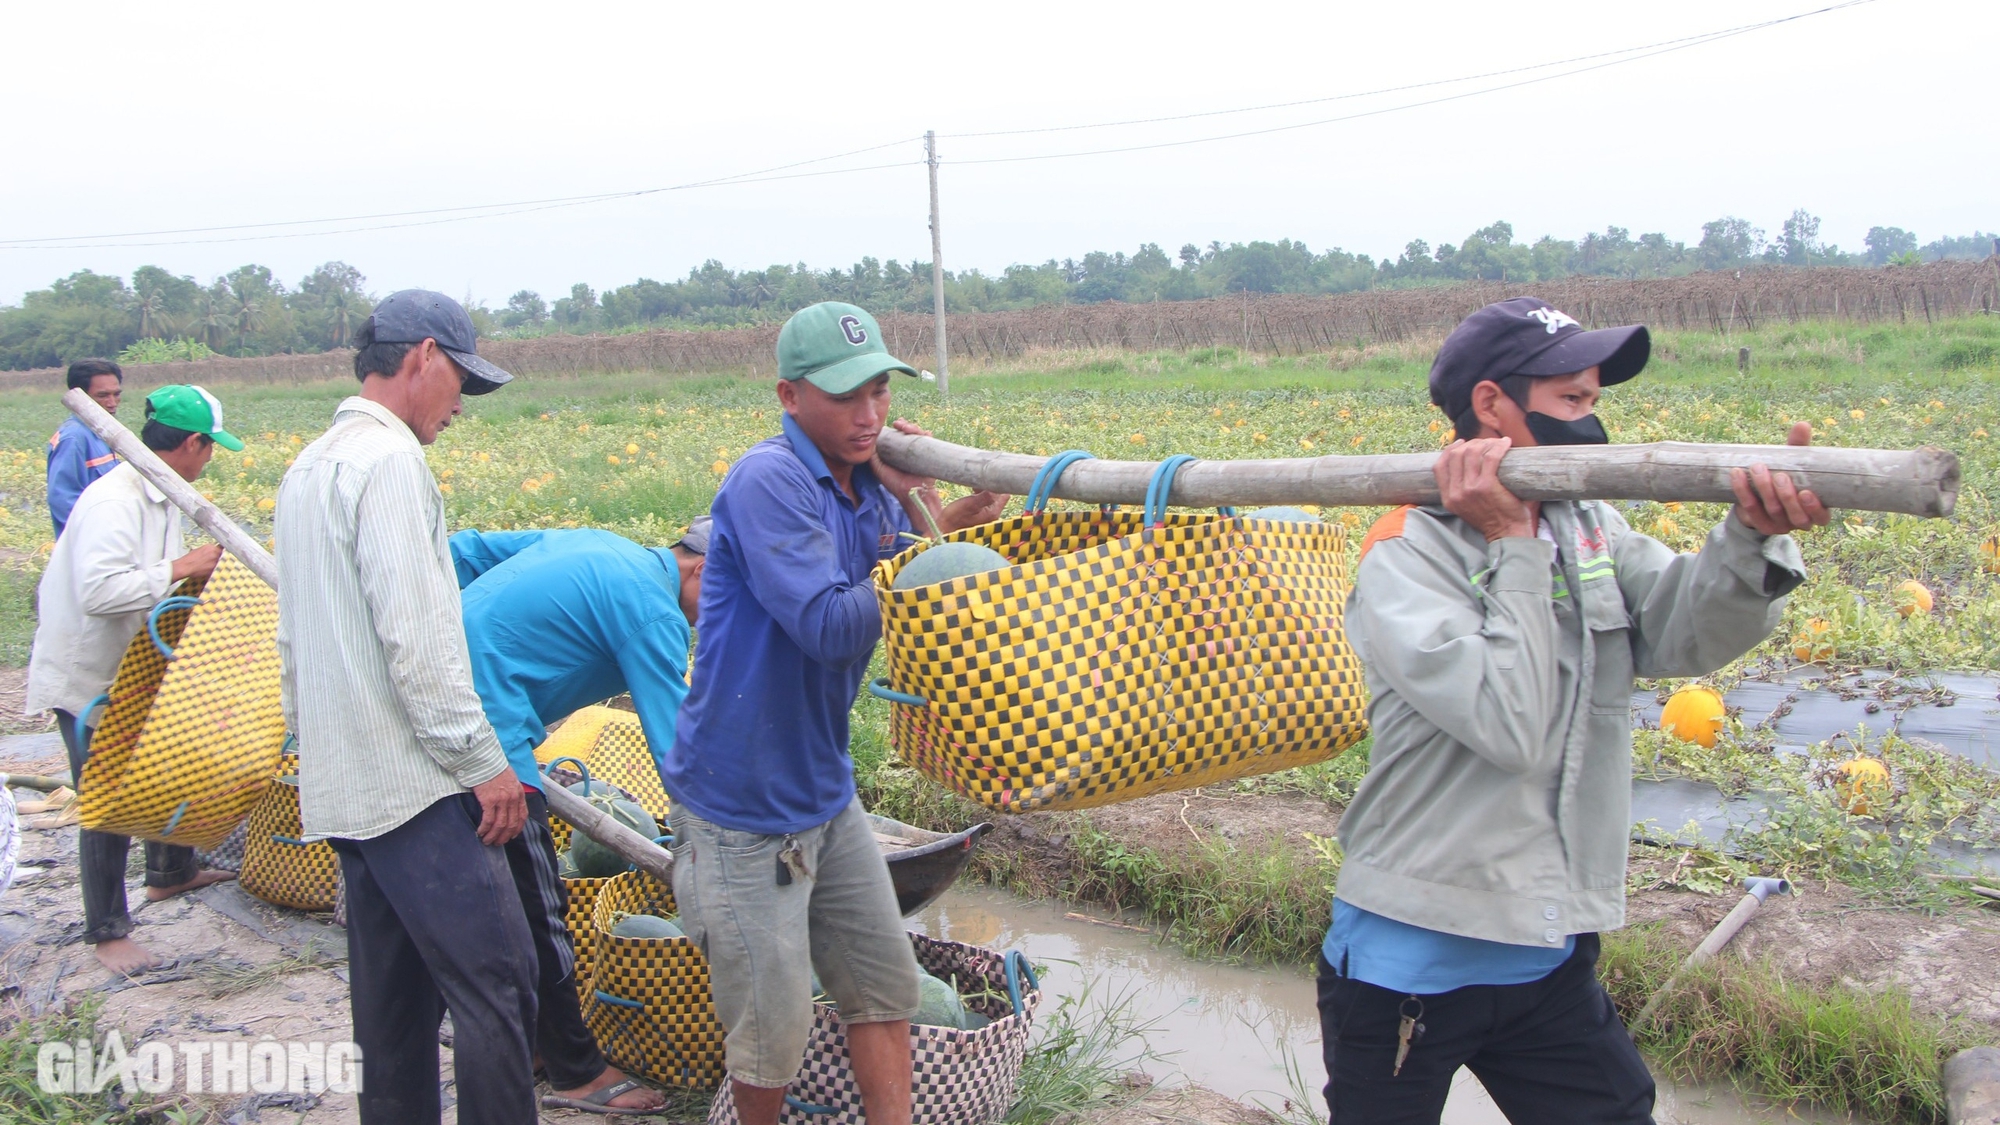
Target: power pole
[{"x": 937, "y": 276}]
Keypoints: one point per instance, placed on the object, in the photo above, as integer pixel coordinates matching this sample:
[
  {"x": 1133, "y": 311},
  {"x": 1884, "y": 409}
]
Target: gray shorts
[{"x": 764, "y": 941}]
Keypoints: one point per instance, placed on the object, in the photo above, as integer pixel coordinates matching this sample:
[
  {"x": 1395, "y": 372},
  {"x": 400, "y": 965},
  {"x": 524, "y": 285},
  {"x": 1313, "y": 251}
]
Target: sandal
[{"x": 599, "y": 1102}]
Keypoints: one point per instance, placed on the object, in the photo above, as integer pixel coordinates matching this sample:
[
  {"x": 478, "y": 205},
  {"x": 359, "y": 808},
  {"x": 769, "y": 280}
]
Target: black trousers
[
  {"x": 1552, "y": 1050},
  {"x": 434, "y": 923},
  {"x": 101, "y": 859},
  {"x": 569, "y": 1051}
]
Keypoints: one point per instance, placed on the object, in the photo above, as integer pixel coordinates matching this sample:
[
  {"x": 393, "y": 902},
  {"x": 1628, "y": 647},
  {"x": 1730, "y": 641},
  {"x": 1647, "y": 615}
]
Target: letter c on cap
[{"x": 850, "y": 326}]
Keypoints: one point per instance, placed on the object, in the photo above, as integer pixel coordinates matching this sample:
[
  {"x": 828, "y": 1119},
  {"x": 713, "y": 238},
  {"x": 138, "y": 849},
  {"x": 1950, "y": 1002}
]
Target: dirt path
[{"x": 1825, "y": 934}]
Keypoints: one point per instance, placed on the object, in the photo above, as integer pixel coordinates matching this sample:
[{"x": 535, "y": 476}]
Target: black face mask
[{"x": 1586, "y": 430}]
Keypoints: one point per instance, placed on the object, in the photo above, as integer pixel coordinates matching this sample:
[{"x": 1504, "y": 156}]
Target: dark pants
[
  {"x": 569, "y": 1052},
  {"x": 101, "y": 859},
  {"x": 1550, "y": 1050},
  {"x": 434, "y": 923}
]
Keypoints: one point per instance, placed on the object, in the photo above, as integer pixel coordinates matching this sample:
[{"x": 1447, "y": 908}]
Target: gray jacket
[{"x": 1498, "y": 799}]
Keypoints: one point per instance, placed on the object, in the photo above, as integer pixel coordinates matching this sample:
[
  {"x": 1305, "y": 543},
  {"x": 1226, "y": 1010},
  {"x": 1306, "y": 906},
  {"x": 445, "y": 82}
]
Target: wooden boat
[{"x": 923, "y": 864}]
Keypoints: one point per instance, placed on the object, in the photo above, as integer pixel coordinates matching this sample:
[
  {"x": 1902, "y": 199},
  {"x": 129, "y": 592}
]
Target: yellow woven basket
[
  {"x": 188, "y": 743},
  {"x": 280, "y": 868},
  {"x": 649, "y": 1003},
  {"x": 613, "y": 744},
  {"x": 1117, "y": 659}
]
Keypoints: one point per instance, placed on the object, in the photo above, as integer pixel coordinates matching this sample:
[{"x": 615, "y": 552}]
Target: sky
[{"x": 151, "y": 117}]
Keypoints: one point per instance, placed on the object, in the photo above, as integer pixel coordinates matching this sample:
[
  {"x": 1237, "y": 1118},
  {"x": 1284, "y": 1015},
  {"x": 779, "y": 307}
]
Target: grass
[
  {"x": 1083, "y": 1051},
  {"x": 22, "y": 1098}
]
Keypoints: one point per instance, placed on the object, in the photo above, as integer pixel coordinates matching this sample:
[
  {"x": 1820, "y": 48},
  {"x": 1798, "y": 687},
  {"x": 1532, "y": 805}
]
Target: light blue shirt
[
  {"x": 557, "y": 620},
  {"x": 1410, "y": 959}
]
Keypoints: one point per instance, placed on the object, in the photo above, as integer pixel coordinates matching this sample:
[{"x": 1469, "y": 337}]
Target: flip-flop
[{"x": 596, "y": 1103}]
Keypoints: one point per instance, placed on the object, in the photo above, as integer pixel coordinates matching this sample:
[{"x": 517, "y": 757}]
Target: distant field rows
[{"x": 1270, "y": 324}]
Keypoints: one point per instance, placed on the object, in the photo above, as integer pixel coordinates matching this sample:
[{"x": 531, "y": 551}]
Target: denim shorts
[{"x": 764, "y": 940}]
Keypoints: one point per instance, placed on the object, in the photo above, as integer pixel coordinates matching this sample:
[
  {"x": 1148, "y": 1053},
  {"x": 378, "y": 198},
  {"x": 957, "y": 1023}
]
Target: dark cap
[
  {"x": 415, "y": 315},
  {"x": 1528, "y": 336},
  {"x": 696, "y": 539}
]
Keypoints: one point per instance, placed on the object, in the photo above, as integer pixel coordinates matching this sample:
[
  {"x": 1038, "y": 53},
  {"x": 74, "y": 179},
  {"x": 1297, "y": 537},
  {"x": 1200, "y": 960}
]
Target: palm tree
[
  {"x": 210, "y": 321},
  {"x": 247, "y": 311},
  {"x": 343, "y": 309},
  {"x": 151, "y": 306}
]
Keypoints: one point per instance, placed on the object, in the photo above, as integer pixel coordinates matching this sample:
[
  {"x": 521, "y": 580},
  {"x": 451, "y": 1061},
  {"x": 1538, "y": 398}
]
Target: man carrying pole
[
  {"x": 398, "y": 767},
  {"x": 120, "y": 554},
  {"x": 776, "y": 871},
  {"x": 557, "y": 620},
  {"x": 1486, "y": 848}
]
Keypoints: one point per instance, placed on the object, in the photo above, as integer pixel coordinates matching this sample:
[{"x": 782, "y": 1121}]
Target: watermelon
[
  {"x": 595, "y": 861},
  {"x": 942, "y": 561},
  {"x": 938, "y": 1004},
  {"x": 1284, "y": 514},
  {"x": 646, "y": 926},
  {"x": 597, "y": 789}
]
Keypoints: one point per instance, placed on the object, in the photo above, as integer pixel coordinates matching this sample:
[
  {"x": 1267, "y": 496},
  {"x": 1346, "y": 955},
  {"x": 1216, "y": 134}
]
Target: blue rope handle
[
  {"x": 580, "y": 768},
  {"x": 808, "y": 1107},
  {"x": 616, "y": 1001},
  {"x": 167, "y": 605},
  {"x": 292, "y": 840},
  {"x": 1161, "y": 486},
  {"x": 879, "y": 688},
  {"x": 83, "y": 730},
  {"x": 1040, "y": 492},
  {"x": 1017, "y": 966}
]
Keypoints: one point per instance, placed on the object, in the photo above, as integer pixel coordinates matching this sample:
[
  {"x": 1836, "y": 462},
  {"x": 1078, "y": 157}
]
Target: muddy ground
[{"x": 1824, "y": 934}]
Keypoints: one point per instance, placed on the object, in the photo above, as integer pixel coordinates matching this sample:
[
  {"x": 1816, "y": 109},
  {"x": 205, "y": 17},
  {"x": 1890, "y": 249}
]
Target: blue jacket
[
  {"x": 788, "y": 622},
  {"x": 557, "y": 620},
  {"x": 76, "y": 457}
]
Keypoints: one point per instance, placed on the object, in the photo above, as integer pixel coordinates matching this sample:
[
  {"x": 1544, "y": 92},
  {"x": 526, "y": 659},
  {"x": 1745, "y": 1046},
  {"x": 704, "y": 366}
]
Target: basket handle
[
  {"x": 167, "y": 605},
  {"x": 1162, "y": 485},
  {"x": 616, "y": 1001},
  {"x": 292, "y": 840},
  {"x": 84, "y": 730},
  {"x": 580, "y": 768},
  {"x": 879, "y": 688},
  {"x": 1046, "y": 477},
  {"x": 1016, "y": 967},
  {"x": 808, "y": 1107}
]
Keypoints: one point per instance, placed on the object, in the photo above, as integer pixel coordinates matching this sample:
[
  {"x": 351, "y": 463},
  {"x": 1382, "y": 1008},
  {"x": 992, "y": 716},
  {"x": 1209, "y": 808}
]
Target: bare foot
[
  {"x": 631, "y": 1099},
  {"x": 202, "y": 879},
  {"x": 125, "y": 956}
]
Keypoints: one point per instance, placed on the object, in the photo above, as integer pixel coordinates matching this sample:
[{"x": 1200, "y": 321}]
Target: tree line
[{"x": 248, "y": 311}]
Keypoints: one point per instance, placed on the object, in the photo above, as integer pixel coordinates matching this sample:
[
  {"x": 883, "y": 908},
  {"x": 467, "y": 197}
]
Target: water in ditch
[{"x": 1229, "y": 1027}]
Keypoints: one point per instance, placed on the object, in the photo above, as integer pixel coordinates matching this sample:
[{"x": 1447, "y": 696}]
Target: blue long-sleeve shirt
[
  {"x": 788, "y": 622},
  {"x": 76, "y": 457},
  {"x": 557, "y": 620}
]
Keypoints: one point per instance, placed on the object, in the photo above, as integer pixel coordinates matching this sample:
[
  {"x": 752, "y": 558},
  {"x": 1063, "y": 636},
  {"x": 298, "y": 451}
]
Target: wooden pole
[
  {"x": 127, "y": 445},
  {"x": 942, "y": 341},
  {"x": 1919, "y": 482},
  {"x": 581, "y": 814}
]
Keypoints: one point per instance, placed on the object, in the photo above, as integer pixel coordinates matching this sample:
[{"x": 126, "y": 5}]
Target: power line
[
  {"x": 1674, "y": 45},
  {"x": 762, "y": 175},
  {"x": 1685, "y": 40}
]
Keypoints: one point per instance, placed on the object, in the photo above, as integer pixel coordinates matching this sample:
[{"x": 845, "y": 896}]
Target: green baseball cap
[
  {"x": 835, "y": 347},
  {"x": 187, "y": 407}
]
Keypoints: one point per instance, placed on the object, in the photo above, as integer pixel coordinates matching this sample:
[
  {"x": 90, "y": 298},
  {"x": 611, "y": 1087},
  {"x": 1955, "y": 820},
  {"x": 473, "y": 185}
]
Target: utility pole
[{"x": 937, "y": 276}]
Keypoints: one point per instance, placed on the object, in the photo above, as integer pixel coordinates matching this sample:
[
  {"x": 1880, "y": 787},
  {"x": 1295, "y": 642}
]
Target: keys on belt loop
[
  {"x": 792, "y": 861},
  {"x": 1407, "y": 1030}
]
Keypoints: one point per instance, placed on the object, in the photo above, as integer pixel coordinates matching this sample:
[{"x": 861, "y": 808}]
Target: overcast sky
[{"x": 146, "y": 117}]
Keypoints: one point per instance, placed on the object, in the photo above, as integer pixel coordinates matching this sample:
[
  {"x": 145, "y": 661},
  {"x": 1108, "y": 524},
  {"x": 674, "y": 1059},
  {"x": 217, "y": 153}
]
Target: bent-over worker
[
  {"x": 1486, "y": 847},
  {"x": 558, "y": 620},
  {"x": 120, "y": 554},
  {"x": 776, "y": 870}
]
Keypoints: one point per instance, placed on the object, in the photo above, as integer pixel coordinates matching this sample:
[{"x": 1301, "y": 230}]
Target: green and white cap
[
  {"x": 187, "y": 407},
  {"x": 835, "y": 347}
]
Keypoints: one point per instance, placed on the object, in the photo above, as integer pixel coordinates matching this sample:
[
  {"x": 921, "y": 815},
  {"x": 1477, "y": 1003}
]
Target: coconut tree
[
  {"x": 246, "y": 311},
  {"x": 151, "y": 305}
]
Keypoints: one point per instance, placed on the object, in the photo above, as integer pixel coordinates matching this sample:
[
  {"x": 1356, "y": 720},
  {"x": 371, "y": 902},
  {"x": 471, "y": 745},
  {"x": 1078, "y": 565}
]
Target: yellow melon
[
  {"x": 1814, "y": 643},
  {"x": 1913, "y": 597},
  {"x": 1989, "y": 552},
  {"x": 1694, "y": 714},
  {"x": 1861, "y": 784}
]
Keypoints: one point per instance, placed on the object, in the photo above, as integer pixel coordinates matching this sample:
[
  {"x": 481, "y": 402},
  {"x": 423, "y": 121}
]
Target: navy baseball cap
[
  {"x": 1528, "y": 336},
  {"x": 415, "y": 315},
  {"x": 696, "y": 539}
]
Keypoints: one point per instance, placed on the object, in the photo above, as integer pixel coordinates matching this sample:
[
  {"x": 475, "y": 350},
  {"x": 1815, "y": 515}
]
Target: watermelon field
[{"x": 642, "y": 453}]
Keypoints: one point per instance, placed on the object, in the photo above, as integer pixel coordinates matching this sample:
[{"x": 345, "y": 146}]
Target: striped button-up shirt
[{"x": 377, "y": 681}]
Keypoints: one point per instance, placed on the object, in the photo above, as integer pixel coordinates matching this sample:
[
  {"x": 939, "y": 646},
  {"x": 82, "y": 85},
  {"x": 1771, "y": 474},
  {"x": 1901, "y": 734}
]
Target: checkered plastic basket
[
  {"x": 613, "y": 744},
  {"x": 649, "y": 1004},
  {"x": 958, "y": 1077},
  {"x": 580, "y": 895},
  {"x": 1123, "y": 654},
  {"x": 280, "y": 868},
  {"x": 193, "y": 729}
]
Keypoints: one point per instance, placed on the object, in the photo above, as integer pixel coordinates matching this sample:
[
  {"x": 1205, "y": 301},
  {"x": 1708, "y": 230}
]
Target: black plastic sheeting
[{"x": 1954, "y": 711}]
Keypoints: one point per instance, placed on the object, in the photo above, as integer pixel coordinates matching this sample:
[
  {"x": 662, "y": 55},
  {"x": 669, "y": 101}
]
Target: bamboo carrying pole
[
  {"x": 1918, "y": 482},
  {"x": 581, "y": 814}
]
